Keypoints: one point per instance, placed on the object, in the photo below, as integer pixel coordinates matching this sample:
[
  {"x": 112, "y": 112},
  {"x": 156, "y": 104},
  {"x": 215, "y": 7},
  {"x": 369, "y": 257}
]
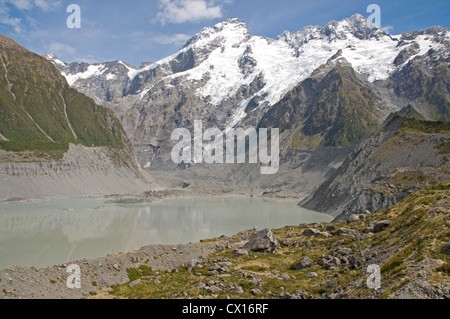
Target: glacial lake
[{"x": 44, "y": 233}]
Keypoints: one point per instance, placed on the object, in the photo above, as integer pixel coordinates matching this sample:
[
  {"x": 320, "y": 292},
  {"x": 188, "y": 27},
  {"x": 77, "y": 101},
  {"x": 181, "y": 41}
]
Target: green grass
[
  {"x": 412, "y": 124},
  {"x": 39, "y": 91}
]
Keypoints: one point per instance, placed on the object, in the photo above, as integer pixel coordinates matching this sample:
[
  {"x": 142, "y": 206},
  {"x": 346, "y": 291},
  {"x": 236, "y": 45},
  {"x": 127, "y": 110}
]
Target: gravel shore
[{"x": 51, "y": 282}]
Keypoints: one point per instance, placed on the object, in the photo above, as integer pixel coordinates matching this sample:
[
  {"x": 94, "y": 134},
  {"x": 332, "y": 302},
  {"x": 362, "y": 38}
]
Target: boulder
[
  {"x": 329, "y": 262},
  {"x": 343, "y": 251},
  {"x": 446, "y": 249},
  {"x": 239, "y": 290},
  {"x": 346, "y": 231},
  {"x": 310, "y": 232},
  {"x": 316, "y": 233},
  {"x": 200, "y": 285},
  {"x": 380, "y": 225},
  {"x": 303, "y": 263},
  {"x": 256, "y": 292},
  {"x": 191, "y": 265},
  {"x": 353, "y": 218},
  {"x": 213, "y": 289},
  {"x": 263, "y": 240},
  {"x": 135, "y": 260}
]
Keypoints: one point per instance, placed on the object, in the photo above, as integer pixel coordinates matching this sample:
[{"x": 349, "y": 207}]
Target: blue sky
[{"x": 138, "y": 31}]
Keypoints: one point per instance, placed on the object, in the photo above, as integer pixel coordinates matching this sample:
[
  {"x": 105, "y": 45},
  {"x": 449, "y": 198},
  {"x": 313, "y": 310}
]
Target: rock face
[
  {"x": 102, "y": 82},
  {"x": 263, "y": 240}
]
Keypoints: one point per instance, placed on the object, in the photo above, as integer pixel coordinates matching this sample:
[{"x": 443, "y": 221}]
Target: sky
[{"x": 137, "y": 31}]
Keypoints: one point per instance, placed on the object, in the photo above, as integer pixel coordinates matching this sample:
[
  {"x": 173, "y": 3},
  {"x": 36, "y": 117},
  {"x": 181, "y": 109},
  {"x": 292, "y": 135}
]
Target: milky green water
[{"x": 44, "y": 233}]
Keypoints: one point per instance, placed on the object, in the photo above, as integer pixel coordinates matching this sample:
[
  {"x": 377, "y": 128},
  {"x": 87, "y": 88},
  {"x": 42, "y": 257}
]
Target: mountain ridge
[
  {"x": 228, "y": 77},
  {"x": 405, "y": 155},
  {"x": 54, "y": 140}
]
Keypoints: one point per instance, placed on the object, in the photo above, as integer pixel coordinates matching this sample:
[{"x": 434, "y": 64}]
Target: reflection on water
[{"x": 61, "y": 230}]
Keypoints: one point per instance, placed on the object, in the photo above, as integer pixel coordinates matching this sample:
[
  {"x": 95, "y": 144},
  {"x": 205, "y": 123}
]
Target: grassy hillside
[{"x": 40, "y": 112}]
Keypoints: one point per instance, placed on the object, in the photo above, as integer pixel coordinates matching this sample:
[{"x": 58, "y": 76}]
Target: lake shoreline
[{"x": 91, "y": 227}]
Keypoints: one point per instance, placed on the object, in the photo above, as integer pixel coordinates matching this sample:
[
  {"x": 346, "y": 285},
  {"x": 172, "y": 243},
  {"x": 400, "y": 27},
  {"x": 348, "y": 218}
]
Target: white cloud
[
  {"x": 59, "y": 48},
  {"x": 181, "y": 11},
  {"x": 90, "y": 59},
  {"x": 24, "y": 5},
  {"x": 177, "y": 39},
  {"x": 13, "y": 22},
  {"x": 387, "y": 29},
  {"x": 46, "y": 5},
  {"x": 21, "y": 4}
]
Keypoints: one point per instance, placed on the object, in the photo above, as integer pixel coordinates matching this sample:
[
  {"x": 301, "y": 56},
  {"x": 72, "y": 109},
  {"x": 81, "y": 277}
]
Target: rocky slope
[
  {"x": 55, "y": 140},
  {"x": 82, "y": 171},
  {"x": 405, "y": 155}
]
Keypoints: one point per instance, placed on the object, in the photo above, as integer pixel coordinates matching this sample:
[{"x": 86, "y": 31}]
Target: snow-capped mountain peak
[
  {"x": 228, "y": 77},
  {"x": 228, "y": 28},
  {"x": 229, "y": 66},
  {"x": 53, "y": 58}
]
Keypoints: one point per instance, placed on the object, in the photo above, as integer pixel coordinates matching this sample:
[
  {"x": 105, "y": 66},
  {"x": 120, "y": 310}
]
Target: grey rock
[
  {"x": 213, "y": 289},
  {"x": 346, "y": 231},
  {"x": 316, "y": 233},
  {"x": 213, "y": 273},
  {"x": 353, "y": 218},
  {"x": 263, "y": 240},
  {"x": 307, "y": 244},
  {"x": 156, "y": 281},
  {"x": 239, "y": 290},
  {"x": 225, "y": 264},
  {"x": 191, "y": 265},
  {"x": 355, "y": 261},
  {"x": 200, "y": 285},
  {"x": 256, "y": 292},
  {"x": 343, "y": 251},
  {"x": 311, "y": 275},
  {"x": 329, "y": 262},
  {"x": 303, "y": 263},
  {"x": 381, "y": 225},
  {"x": 446, "y": 249}
]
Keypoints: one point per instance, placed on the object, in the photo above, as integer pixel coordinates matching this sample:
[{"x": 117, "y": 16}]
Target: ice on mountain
[{"x": 92, "y": 71}]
